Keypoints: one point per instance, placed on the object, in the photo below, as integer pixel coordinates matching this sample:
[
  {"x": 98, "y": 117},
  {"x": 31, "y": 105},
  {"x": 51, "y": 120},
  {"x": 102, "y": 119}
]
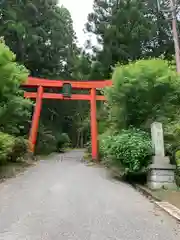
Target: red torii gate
[{"x": 41, "y": 94}]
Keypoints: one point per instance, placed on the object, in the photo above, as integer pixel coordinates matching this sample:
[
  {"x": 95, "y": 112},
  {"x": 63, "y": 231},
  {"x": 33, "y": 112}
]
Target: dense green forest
[{"x": 37, "y": 39}]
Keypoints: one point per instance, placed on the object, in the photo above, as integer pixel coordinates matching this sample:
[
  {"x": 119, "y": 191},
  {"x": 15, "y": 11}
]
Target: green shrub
[
  {"x": 11, "y": 148},
  {"x": 6, "y": 145},
  {"x": 129, "y": 150},
  {"x": 177, "y": 177},
  {"x": 15, "y": 111},
  {"x": 172, "y": 140},
  {"x": 19, "y": 149},
  {"x": 102, "y": 126},
  {"x": 143, "y": 91},
  {"x": 63, "y": 141},
  {"x": 46, "y": 141}
]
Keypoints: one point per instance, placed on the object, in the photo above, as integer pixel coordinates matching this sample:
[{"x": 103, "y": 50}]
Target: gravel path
[{"x": 62, "y": 199}]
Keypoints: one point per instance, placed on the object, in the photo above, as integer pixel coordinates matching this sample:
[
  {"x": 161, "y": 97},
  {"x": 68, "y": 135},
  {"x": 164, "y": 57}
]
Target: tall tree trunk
[
  {"x": 82, "y": 139},
  {"x": 78, "y": 138}
]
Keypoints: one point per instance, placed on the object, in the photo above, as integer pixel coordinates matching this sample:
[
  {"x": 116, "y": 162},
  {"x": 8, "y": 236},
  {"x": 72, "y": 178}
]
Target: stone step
[{"x": 171, "y": 209}]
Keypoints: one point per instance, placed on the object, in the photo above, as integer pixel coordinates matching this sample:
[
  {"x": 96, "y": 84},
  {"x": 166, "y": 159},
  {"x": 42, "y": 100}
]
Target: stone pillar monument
[{"x": 161, "y": 172}]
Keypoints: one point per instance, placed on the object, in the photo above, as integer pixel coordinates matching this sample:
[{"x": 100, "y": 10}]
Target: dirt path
[{"x": 62, "y": 199}]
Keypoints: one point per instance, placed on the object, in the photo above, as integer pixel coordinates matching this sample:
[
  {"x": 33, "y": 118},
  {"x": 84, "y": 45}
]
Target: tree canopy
[
  {"x": 41, "y": 35},
  {"x": 126, "y": 31}
]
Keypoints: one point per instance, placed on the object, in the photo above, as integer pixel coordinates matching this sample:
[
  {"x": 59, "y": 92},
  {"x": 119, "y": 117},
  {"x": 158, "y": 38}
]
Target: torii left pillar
[{"x": 35, "y": 119}]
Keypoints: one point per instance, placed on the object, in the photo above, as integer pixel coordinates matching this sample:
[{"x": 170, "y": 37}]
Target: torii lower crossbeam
[{"x": 40, "y": 95}]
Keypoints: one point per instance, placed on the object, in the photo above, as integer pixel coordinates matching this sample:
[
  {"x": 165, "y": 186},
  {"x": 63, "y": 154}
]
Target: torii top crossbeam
[{"x": 59, "y": 83}]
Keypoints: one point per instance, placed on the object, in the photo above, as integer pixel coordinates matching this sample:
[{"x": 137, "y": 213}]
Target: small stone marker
[
  {"x": 157, "y": 138},
  {"x": 161, "y": 172}
]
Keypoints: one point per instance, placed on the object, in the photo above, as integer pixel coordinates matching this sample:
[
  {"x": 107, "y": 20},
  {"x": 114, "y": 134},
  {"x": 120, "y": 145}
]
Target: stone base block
[
  {"x": 159, "y": 185},
  {"x": 161, "y": 175}
]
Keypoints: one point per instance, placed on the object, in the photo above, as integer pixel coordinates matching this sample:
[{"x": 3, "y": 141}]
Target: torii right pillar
[{"x": 94, "y": 130}]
